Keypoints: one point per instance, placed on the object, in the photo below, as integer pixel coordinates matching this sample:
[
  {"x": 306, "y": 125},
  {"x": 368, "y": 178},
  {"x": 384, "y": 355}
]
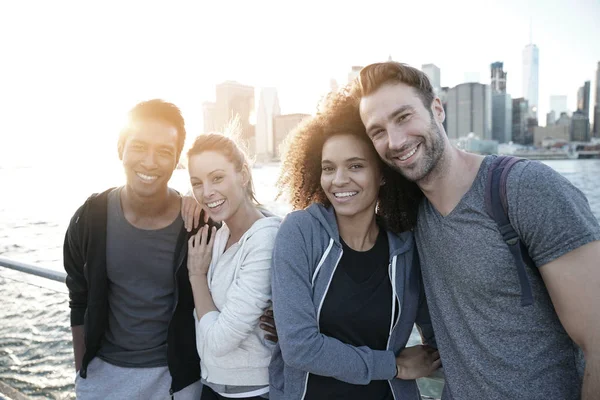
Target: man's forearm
[
  {"x": 591, "y": 377},
  {"x": 78, "y": 345}
]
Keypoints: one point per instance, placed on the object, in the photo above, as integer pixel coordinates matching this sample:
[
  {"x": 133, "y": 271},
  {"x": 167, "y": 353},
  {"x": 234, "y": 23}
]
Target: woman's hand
[
  {"x": 190, "y": 212},
  {"x": 200, "y": 252},
  {"x": 417, "y": 362}
]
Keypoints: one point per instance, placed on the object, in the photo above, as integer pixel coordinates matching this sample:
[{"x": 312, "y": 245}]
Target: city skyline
[{"x": 68, "y": 70}]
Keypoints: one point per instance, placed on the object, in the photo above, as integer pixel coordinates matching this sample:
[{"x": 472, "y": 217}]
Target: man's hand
[
  {"x": 417, "y": 361},
  {"x": 268, "y": 325},
  {"x": 190, "y": 212}
]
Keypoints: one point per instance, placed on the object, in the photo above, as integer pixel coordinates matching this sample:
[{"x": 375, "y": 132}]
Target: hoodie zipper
[
  {"x": 319, "y": 312},
  {"x": 182, "y": 256},
  {"x": 392, "y": 275}
]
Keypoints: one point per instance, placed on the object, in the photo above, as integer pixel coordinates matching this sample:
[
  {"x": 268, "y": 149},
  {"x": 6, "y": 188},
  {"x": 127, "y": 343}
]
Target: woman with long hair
[
  {"x": 346, "y": 279},
  {"x": 229, "y": 271}
]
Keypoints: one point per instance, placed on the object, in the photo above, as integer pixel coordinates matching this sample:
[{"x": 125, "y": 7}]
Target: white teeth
[
  {"x": 345, "y": 194},
  {"x": 147, "y": 178},
  {"x": 215, "y": 203},
  {"x": 409, "y": 155}
]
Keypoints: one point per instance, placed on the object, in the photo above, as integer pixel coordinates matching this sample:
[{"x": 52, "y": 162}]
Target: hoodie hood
[
  {"x": 326, "y": 217},
  {"x": 399, "y": 243}
]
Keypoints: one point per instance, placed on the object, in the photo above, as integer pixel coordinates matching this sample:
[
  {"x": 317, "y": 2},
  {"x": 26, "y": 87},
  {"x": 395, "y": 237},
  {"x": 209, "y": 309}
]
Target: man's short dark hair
[{"x": 160, "y": 110}]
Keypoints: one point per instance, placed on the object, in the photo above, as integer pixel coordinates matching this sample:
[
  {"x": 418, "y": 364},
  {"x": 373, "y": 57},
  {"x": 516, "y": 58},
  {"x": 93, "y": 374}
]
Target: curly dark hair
[{"x": 300, "y": 176}]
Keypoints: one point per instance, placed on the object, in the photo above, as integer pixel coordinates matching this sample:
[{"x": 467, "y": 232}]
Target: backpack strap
[{"x": 496, "y": 205}]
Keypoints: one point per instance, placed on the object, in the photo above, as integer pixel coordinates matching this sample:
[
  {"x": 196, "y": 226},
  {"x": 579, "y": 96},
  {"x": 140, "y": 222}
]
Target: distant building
[
  {"x": 354, "y": 72},
  {"x": 597, "y": 104},
  {"x": 501, "y": 117},
  {"x": 520, "y": 112},
  {"x": 583, "y": 99},
  {"x": 268, "y": 109},
  {"x": 443, "y": 95},
  {"x": 498, "y": 77},
  {"x": 580, "y": 127},
  {"x": 558, "y": 104},
  {"x": 550, "y": 118},
  {"x": 282, "y": 126},
  {"x": 209, "y": 115},
  {"x": 532, "y": 123},
  {"x": 236, "y": 100},
  {"x": 469, "y": 110},
  {"x": 531, "y": 66},
  {"x": 564, "y": 120},
  {"x": 554, "y": 132},
  {"x": 473, "y": 144},
  {"x": 433, "y": 73}
]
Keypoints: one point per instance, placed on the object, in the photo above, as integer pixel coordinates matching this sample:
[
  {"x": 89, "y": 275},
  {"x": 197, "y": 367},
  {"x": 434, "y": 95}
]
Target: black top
[{"x": 357, "y": 310}]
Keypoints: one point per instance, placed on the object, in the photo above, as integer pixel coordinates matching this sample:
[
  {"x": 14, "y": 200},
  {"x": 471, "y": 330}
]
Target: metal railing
[{"x": 57, "y": 276}]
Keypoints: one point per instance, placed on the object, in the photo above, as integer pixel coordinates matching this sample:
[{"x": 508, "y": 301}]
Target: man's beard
[{"x": 432, "y": 147}]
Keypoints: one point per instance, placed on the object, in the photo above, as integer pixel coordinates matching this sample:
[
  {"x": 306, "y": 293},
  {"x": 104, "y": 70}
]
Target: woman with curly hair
[{"x": 346, "y": 280}]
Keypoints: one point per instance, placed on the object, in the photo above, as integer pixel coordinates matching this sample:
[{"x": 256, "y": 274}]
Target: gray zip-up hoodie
[{"x": 306, "y": 254}]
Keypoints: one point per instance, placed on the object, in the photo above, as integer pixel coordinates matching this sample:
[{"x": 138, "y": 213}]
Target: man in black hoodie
[{"x": 125, "y": 256}]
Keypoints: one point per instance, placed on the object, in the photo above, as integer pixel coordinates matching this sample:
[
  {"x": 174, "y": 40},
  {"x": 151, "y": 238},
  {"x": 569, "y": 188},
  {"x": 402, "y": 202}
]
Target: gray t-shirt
[
  {"x": 491, "y": 346},
  {"x": 141, "y": 287}
]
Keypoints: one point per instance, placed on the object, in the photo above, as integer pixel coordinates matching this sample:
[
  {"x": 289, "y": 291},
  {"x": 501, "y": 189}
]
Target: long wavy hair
[{"x": 300, "y": 176}]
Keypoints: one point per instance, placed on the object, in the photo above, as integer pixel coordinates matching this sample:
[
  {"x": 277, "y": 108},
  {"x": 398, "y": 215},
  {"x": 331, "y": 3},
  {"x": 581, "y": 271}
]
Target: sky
[{"x": 70, "y": 70}]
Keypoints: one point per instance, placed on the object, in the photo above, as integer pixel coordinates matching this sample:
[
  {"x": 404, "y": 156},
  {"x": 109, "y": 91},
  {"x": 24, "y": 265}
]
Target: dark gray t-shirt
[
  {"x": 491, "y": 346},
  {"x": 141, "y": 287}
]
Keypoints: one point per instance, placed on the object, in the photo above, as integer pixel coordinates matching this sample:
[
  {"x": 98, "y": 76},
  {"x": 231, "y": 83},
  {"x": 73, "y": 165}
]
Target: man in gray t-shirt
[{"x": 491, "y": 346}]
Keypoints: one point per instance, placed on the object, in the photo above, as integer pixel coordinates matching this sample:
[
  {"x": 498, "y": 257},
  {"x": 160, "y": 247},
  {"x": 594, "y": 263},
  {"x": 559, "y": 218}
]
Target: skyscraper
[
  {"x": 531, "y": 78},
  {"x": 236, "y": 100},
  {"x": 268, "y": 109},
  {"x": 583, "y": 99},
  {"x": 469, "y": 109},
  {"x": 597, "y": 104},
  {"x": 550, "y": 118},
  {"x": 501, "y": 117},
  {"x": 580, "y": 127},
  {"x": 501, "y": 105},
  {"x": 498, "y": 77},
  {"x": 433, "y": 73},
  {"x": 520, "y": 111}
]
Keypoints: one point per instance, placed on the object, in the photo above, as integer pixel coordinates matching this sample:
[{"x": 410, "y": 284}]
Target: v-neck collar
[{"x": 482, "y": 167}]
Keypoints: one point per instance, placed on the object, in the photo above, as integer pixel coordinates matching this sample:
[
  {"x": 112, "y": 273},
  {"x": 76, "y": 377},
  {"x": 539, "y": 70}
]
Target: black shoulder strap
[{"x": 496, "y": 205}]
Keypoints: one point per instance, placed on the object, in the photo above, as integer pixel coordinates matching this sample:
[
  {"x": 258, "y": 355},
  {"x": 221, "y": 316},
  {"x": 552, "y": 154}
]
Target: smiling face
[
  {"x": 350, "y": 175},
  {"x": 149, "y": 155},
  {"x": 217, "y": 185},
  {"x": 406, "y": 134}
]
